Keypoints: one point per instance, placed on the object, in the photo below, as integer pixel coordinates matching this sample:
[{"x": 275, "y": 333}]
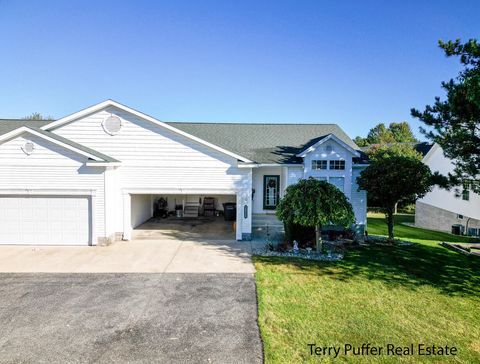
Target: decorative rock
[{"x": 304, "y": 254}]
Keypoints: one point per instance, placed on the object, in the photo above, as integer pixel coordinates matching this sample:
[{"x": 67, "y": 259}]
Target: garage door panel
[{"x": 45, "y": 220}]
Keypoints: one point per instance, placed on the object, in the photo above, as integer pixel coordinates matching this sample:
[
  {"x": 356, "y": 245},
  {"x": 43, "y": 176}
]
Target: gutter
[{"x": 258, "y": 165}]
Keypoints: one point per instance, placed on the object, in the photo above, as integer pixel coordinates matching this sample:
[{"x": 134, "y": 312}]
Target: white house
[
  {"x": 92, "y": 177},
  {"x": 457, "y": 210}
]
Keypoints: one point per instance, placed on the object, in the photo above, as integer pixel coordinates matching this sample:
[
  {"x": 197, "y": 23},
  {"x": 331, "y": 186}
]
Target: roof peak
[{"x": 242, "y": 123}]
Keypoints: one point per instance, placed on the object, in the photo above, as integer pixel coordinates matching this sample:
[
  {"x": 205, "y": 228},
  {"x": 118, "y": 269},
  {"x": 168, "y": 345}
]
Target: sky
[{"x": 354, "y": 63}]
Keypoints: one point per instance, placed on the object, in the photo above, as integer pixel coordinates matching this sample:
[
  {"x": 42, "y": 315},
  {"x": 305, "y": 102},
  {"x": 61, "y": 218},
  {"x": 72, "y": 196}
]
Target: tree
[
  {"x": 314, "y": 203},
  {"x": 402, "y": 133},
  {"x": 455, "y": 121},
  {"x": 381, "y": 134},
  {"x": 37, "y": 116},
  {"x": 361, "y": 142},
  {"x": 389, "y": 180},
  {"x": 393, "y": 150}
]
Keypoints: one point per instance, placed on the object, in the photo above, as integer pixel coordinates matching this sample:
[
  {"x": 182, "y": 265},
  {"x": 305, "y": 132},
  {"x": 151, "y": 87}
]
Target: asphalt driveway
[{"x": 141, "y": 318}]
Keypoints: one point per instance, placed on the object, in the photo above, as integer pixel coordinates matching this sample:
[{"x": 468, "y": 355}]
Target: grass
[
  {"x": 377, "y": 226},
  {"x": 421, "y": 293}
]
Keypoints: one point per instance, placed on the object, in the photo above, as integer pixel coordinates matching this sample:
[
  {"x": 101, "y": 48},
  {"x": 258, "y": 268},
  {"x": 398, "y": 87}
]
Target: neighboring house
[
  {"x": 457, "y": 210},
  {"x": 92, "y": 177}
]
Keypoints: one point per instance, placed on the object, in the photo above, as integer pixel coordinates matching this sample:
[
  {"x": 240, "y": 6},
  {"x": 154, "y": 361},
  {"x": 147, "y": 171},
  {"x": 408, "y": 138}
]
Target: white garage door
[{"x": 44, "y": 220}]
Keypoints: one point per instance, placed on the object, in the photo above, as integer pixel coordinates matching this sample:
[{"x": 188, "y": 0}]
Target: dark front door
[{"x": 271, "y": 192}]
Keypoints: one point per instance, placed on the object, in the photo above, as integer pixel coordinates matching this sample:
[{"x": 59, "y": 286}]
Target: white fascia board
[
  {"x": 180, "y": 191},
  {"x": 109, "y": 103},
  {"x": 260, "y": 165},
  {"x": 430, "y": 153},
  {"x": 103, "y": 164},
  {"x": 25, "y": 129},
  {"x": 47, "y": 191},
  {"x": 320, "y": 142}
]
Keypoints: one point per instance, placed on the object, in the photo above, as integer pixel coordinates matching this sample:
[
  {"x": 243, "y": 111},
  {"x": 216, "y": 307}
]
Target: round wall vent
[
  {"x": 112, "y": 125},
  {"x": 328, "y": 149},
  {"x": 28, "y": 148}
]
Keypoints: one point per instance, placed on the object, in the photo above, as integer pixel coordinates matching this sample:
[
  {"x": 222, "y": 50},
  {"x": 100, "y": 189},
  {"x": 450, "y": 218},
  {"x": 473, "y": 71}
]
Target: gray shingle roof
[
  {"x": 264, "y": 143},
  {"x": 7, "y": 125},
  {"x": 261, "y": 143}
]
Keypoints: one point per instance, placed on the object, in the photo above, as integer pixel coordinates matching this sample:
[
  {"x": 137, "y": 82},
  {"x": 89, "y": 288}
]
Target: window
[
  {"x": 472, "y": 232},
  {"x": 317, "y": 164},
  {"x": 459, "y": 216},
  {"x": 466, "y": 190},
  {"x": 338, "y": 182},
  {"x": 337, "y": 165}
]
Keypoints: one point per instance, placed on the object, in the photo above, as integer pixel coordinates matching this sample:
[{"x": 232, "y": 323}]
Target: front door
[{"x": 271, "y": 192}]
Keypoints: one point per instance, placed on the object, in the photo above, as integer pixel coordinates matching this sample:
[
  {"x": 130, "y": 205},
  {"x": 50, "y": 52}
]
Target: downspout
[{"x": 466, "y": 226}]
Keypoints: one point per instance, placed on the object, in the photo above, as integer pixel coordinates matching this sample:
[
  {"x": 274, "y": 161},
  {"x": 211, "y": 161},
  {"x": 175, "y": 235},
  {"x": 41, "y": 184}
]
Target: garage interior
[{"x": 183, "y": 216}]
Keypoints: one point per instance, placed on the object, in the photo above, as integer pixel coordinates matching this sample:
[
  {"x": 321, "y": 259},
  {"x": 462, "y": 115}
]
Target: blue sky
[{"x": 355, "y": 63}]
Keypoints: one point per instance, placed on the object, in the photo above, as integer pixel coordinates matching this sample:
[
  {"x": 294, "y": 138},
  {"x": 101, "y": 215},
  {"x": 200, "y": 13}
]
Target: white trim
[
  {"x": 179, "y": 191},
  {"x": 103, "y": 164},
  {"x": 430, "y": 153},
  {"x": 239, "y": 219},
  {"x": 46, "y": 191},
  {"x": 93, "y": 220},
  {"x": 109, "y": 103},
  {"x": 26, "y": 129},
  {"x": 127, "y": 216},
  {"x": 259, "y": 165},
  {"x": 320, "y": 142}
]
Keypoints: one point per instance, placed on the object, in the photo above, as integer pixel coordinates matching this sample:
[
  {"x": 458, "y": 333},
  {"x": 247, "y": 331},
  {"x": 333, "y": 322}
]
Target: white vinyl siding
[
  {"x": 451, "y": 200},
  {"x": 337, "y": 156},
  {"x": 338, "y": 182},
  {"x": 51, "y": 167},
  {"x": 359, "y": 199},
  {"x": 155, "y": 158},
  {"x": 294, "y": 174}
]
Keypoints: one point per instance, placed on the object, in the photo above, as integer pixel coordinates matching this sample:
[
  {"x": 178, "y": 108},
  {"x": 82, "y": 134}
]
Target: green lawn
[
  {"x": 377, "y": 226},
  {"x": 422, "y": 293}
]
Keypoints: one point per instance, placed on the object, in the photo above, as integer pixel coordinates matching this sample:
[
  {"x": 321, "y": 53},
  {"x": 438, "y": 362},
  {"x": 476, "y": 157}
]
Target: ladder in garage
[{"x": 191, "y": 206}]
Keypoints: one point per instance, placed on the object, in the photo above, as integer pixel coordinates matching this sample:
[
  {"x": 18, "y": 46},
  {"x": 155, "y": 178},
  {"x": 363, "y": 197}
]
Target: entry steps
[
  {"x": 192, "y": 206},
  {"x": 267, "y": 224}
]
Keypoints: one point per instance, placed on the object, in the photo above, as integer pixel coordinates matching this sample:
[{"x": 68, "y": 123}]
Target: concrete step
[
  {"x": 260, "y": 220},
  {"x": 190, "y": 211},
  {"x": 190, "y": 214}
]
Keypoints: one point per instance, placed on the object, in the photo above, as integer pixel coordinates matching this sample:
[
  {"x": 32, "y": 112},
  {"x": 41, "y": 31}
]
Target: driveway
[
  {"x": 160, "y": 255},
  {"x": 142, "y": 318}
]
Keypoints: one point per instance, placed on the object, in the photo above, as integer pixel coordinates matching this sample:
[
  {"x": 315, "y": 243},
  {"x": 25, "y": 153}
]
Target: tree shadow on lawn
[{"x": 410, "y": 266}]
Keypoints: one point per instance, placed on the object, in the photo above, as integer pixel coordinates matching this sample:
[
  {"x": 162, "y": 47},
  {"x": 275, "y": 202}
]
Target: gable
[
  {"x": 113, "y": 104},
  {"x": 330, "y": 150},
  {"x": 46, "y": 153},
  {"x": 140, "y": 142},
  {"x": 437, "y": 162}
]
